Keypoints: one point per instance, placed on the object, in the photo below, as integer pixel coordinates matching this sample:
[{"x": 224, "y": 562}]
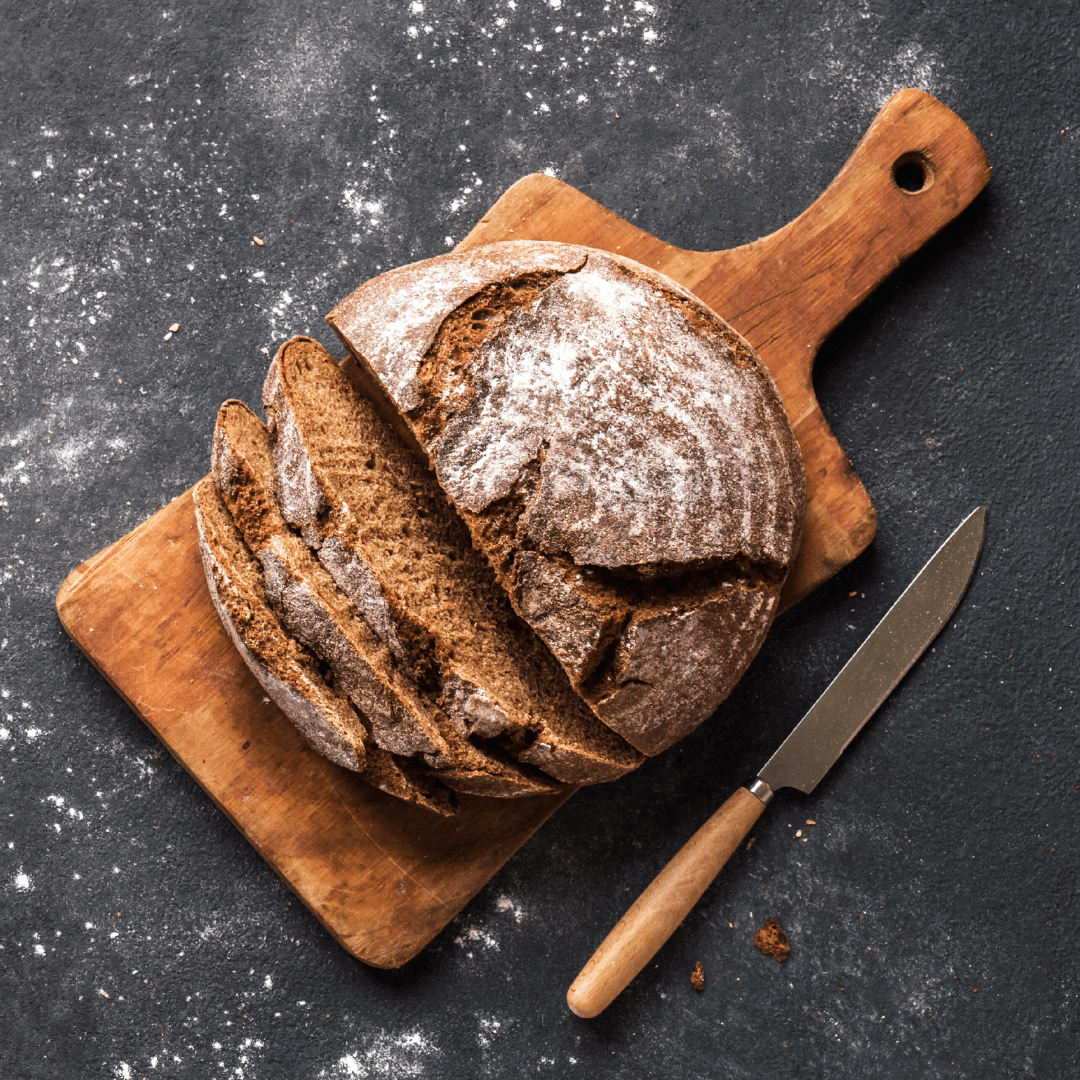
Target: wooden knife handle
[{"x": 662, "y": 906}]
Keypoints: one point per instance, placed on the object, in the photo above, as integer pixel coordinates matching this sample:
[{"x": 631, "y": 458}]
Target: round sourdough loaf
[{"x": 619, "y": 453}]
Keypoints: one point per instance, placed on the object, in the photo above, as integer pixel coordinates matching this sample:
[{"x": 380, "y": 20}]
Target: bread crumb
[
  {"x": 257, "y": 241},
  {"x": 772, "y": 941},
  {"x": 810, "y": 821},
  {"x": 697, "y": 976},
  {"x": 175, "y": 328},
  {"x": 749, "y": 843}
]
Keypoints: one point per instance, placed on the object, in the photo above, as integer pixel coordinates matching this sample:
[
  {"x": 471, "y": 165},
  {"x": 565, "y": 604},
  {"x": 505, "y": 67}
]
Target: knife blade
[{"x": 804, "y": 757}]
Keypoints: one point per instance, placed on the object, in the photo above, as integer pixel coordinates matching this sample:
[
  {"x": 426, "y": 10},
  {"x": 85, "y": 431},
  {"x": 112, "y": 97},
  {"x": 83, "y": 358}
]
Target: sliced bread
[
  {"x": 288, "y": 672},
  {"x": 619, "y": 452},
  {"x": 404, "y": 718}
]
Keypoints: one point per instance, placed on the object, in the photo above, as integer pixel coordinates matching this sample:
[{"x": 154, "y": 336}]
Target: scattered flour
[
  {"x": 474, "y": 935},
  {"x": 852, "y": 67},
  {"x": 394, "y": 1057},
  {"x": 504, "y": 903},
  {"x": 489, "y": 1029}
]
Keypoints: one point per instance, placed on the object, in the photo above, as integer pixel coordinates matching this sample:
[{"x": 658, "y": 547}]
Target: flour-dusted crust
[
  {"x": 619, "y": 453},
  {"x": 289, "y": 673},
  {"x": 399, "y": 313}
]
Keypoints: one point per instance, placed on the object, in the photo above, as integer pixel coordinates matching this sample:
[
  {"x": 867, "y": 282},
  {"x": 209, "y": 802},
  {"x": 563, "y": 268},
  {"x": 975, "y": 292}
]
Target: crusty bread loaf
[
  {"x": 622, "y": 463},
  {"x": 403, "y": 718},
  {"x": 619, "y": 453},
  {"x": 290, "y": 673},
  {"x": 387, "y": 534}
]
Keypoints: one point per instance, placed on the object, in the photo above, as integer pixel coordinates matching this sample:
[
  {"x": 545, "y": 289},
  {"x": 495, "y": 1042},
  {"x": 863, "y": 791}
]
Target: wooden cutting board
[{"x": 384, "y": 877}]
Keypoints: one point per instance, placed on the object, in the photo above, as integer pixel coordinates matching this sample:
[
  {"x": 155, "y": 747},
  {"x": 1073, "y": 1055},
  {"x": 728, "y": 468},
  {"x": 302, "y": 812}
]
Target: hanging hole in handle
[{"x": 912, "y": 173}]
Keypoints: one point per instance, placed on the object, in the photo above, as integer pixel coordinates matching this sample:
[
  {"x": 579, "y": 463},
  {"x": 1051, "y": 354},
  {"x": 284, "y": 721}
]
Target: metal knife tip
[{"x": 974, "y": 523}]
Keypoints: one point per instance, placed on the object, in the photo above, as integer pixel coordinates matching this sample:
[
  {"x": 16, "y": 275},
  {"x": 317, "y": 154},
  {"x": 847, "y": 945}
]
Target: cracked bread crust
[
  {"x": 619, "y": 453},
  {"x": 384, "y": 530},
  {"x": 289, "y": 673},
  {"x": 320, "y": 617}
]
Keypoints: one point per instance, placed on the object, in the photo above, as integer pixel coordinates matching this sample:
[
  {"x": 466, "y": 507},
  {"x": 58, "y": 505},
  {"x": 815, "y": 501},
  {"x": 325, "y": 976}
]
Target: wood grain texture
[
  {"x": 657, "y": 912},
  {"x": 383, "y": 877}
]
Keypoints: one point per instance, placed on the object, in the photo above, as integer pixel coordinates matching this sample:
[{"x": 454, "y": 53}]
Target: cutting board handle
[{"x": 917, "y": 167}]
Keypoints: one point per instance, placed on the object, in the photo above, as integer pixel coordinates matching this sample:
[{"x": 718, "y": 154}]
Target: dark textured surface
[{"x": 932, "y": 910}]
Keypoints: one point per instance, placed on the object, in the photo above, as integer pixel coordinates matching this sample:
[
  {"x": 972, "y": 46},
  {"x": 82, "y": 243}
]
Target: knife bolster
[{"x": 761, "y": 790}]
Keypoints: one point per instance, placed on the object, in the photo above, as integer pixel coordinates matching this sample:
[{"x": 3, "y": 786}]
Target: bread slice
[
  {"x": 386, "y": 532},
  {"x": 619, "y": 452},
  {"x": 288, "y": 673},
  {"x": 318, "y": 615}
]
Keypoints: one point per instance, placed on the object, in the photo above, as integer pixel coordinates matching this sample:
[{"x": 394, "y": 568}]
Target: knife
[{"x": 805, "y": 756}]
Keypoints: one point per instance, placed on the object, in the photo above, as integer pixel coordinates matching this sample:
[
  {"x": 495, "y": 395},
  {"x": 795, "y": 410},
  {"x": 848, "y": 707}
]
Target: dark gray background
[{"x": 933, "y": 910}]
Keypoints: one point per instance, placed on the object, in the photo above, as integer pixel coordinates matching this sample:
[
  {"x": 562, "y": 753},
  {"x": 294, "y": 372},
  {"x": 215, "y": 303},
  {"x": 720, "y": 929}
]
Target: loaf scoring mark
[
  {"x": 583, "y": 613},
  {"x": 396, "y": 316},
  {"x": 445, "y": 373},
  {"x": 656, "y": 416}
]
